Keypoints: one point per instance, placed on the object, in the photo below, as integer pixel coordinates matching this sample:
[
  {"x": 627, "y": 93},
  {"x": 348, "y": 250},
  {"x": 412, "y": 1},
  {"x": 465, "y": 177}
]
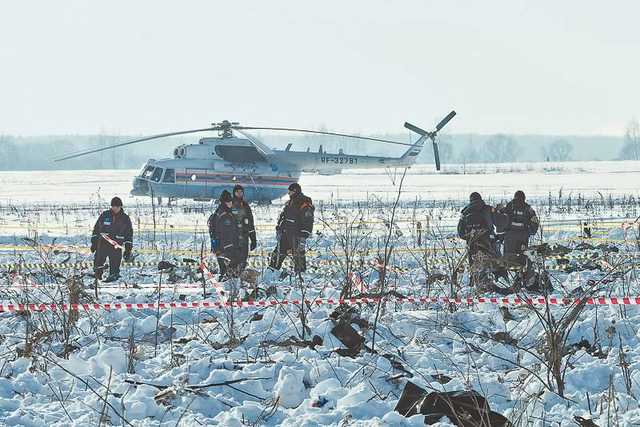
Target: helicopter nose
[{"x": 140, "y": 187}]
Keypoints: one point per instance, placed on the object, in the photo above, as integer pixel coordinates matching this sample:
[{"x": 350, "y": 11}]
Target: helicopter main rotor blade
[
  {"x": 261, "y": 146},
  {"x": 135, "y": 141},
  {"x": 416, "y": 129},
  {"x": 436, "y": 155},
  {"x": 317, "y": 132},
  {"x": 444, "y": 121}
]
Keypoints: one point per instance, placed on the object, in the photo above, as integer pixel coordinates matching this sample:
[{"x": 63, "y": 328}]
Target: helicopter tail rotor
[{"x": 432, "y": 135}]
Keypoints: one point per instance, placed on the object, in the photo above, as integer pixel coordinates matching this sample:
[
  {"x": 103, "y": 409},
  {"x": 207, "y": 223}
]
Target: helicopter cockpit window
[
  {"x": 148, "y": 172},
  {"x": 157, "y": 174},
  {"x": 169, "y": 176}
]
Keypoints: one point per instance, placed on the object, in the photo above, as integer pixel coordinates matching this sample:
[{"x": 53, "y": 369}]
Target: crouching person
[{"x": 112, "y": 235}]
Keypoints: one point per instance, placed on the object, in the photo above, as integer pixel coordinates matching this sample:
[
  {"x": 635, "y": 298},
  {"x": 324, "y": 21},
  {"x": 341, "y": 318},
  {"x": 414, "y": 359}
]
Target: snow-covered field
[
  {"x": 422, "y": 181},
  {"x": 290, "y": 364}
]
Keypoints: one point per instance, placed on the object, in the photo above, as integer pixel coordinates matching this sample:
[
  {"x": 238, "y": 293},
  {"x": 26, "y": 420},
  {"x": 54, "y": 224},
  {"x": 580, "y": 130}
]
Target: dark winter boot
[{"x": 112, "y": 278}]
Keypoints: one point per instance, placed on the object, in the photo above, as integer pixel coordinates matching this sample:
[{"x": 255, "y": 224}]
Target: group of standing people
[
  {"x": 233, "y": 234},
  {"x": 231, "y": 229}
]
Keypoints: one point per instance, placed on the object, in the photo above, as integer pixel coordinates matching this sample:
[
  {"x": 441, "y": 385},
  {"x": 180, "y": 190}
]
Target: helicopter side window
[
  {"x": 157, "y": 174},
  {"x": 169, "y": 176},
  {"x": 148, "y": 172}
]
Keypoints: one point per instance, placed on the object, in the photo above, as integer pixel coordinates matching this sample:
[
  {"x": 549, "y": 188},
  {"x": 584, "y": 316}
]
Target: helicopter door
[{"x": 196, "y": 182}]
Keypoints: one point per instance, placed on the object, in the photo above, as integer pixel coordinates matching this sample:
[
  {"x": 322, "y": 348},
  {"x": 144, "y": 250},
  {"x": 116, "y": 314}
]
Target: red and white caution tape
[
  {"x": 516, "y": 301},
  {"x": 165, "y": 287}
]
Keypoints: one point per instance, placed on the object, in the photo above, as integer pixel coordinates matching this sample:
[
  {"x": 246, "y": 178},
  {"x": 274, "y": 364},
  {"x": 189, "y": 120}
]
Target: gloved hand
[
  {"x": 128, "y": 247},
  {"x": 214, "y": 245},
  {"x": 94, "y": 246},
  {"x": 253, "y": 245}
]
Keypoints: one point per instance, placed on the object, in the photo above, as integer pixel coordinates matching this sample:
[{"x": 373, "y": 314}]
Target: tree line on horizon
[{"x": 38, "y": 152}]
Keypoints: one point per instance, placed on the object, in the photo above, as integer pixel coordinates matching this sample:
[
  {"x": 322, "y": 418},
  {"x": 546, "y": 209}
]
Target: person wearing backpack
[{"x": 477, "y": 227}]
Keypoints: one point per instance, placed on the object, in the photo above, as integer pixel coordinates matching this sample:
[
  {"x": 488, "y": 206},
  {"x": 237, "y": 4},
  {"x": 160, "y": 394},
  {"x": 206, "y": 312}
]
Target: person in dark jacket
[
  {"x": 244, "y": 220},
  {"x": 477, "y": 227},
  {"x": 522, "y": 223},
  {"x": 295, "y": 226},
  {"x": 112, "y": 235},
  {"x": 211, "y": 223},
  {"x": 227, "y": 235}
]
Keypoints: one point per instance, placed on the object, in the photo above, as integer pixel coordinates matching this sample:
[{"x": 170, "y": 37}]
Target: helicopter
[{"x": 201, "y": 171}]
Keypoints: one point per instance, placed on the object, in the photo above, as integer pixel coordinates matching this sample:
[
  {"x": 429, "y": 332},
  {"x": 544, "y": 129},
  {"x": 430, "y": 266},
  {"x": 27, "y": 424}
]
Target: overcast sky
[{"x": 134, "y": 67}]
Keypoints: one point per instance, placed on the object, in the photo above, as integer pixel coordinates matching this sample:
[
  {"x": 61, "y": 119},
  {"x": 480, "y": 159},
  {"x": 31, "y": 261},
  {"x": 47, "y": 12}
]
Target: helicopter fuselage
[
  {"x": 181, "y": 179},
  {"x": 202, "y": 171}
]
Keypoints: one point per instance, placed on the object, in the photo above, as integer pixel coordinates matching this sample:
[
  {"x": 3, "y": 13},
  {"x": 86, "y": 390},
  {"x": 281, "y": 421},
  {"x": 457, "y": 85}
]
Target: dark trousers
[
  {"x": 482, "y": 254},
  {"x": 484, "y": 246},
  {"x": 229, "y": 262},
  {"x": 289, "y": 244},
  {"x": 243, "y": 254},
  {"x": 106, "y": 250},
  {"x": 515, "y": 243}
]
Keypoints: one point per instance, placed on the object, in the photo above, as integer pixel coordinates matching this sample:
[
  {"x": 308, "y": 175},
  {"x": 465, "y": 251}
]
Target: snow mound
[{"x": 289, "y": 389}]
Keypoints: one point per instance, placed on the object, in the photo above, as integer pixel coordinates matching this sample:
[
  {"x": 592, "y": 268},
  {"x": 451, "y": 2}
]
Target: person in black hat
[
  {"x": 295, "y": 226},
  {"x": 522, "y": 223},
  {"x": 477, "y": 227},
  {"x": 244, "y": 220},
  {"x": 112, "y": 235},
  {"x": 225, "y": 237}
]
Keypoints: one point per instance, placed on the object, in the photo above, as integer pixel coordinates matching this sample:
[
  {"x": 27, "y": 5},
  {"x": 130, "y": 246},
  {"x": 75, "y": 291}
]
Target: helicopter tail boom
[{"x": 412, "y": 153}]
